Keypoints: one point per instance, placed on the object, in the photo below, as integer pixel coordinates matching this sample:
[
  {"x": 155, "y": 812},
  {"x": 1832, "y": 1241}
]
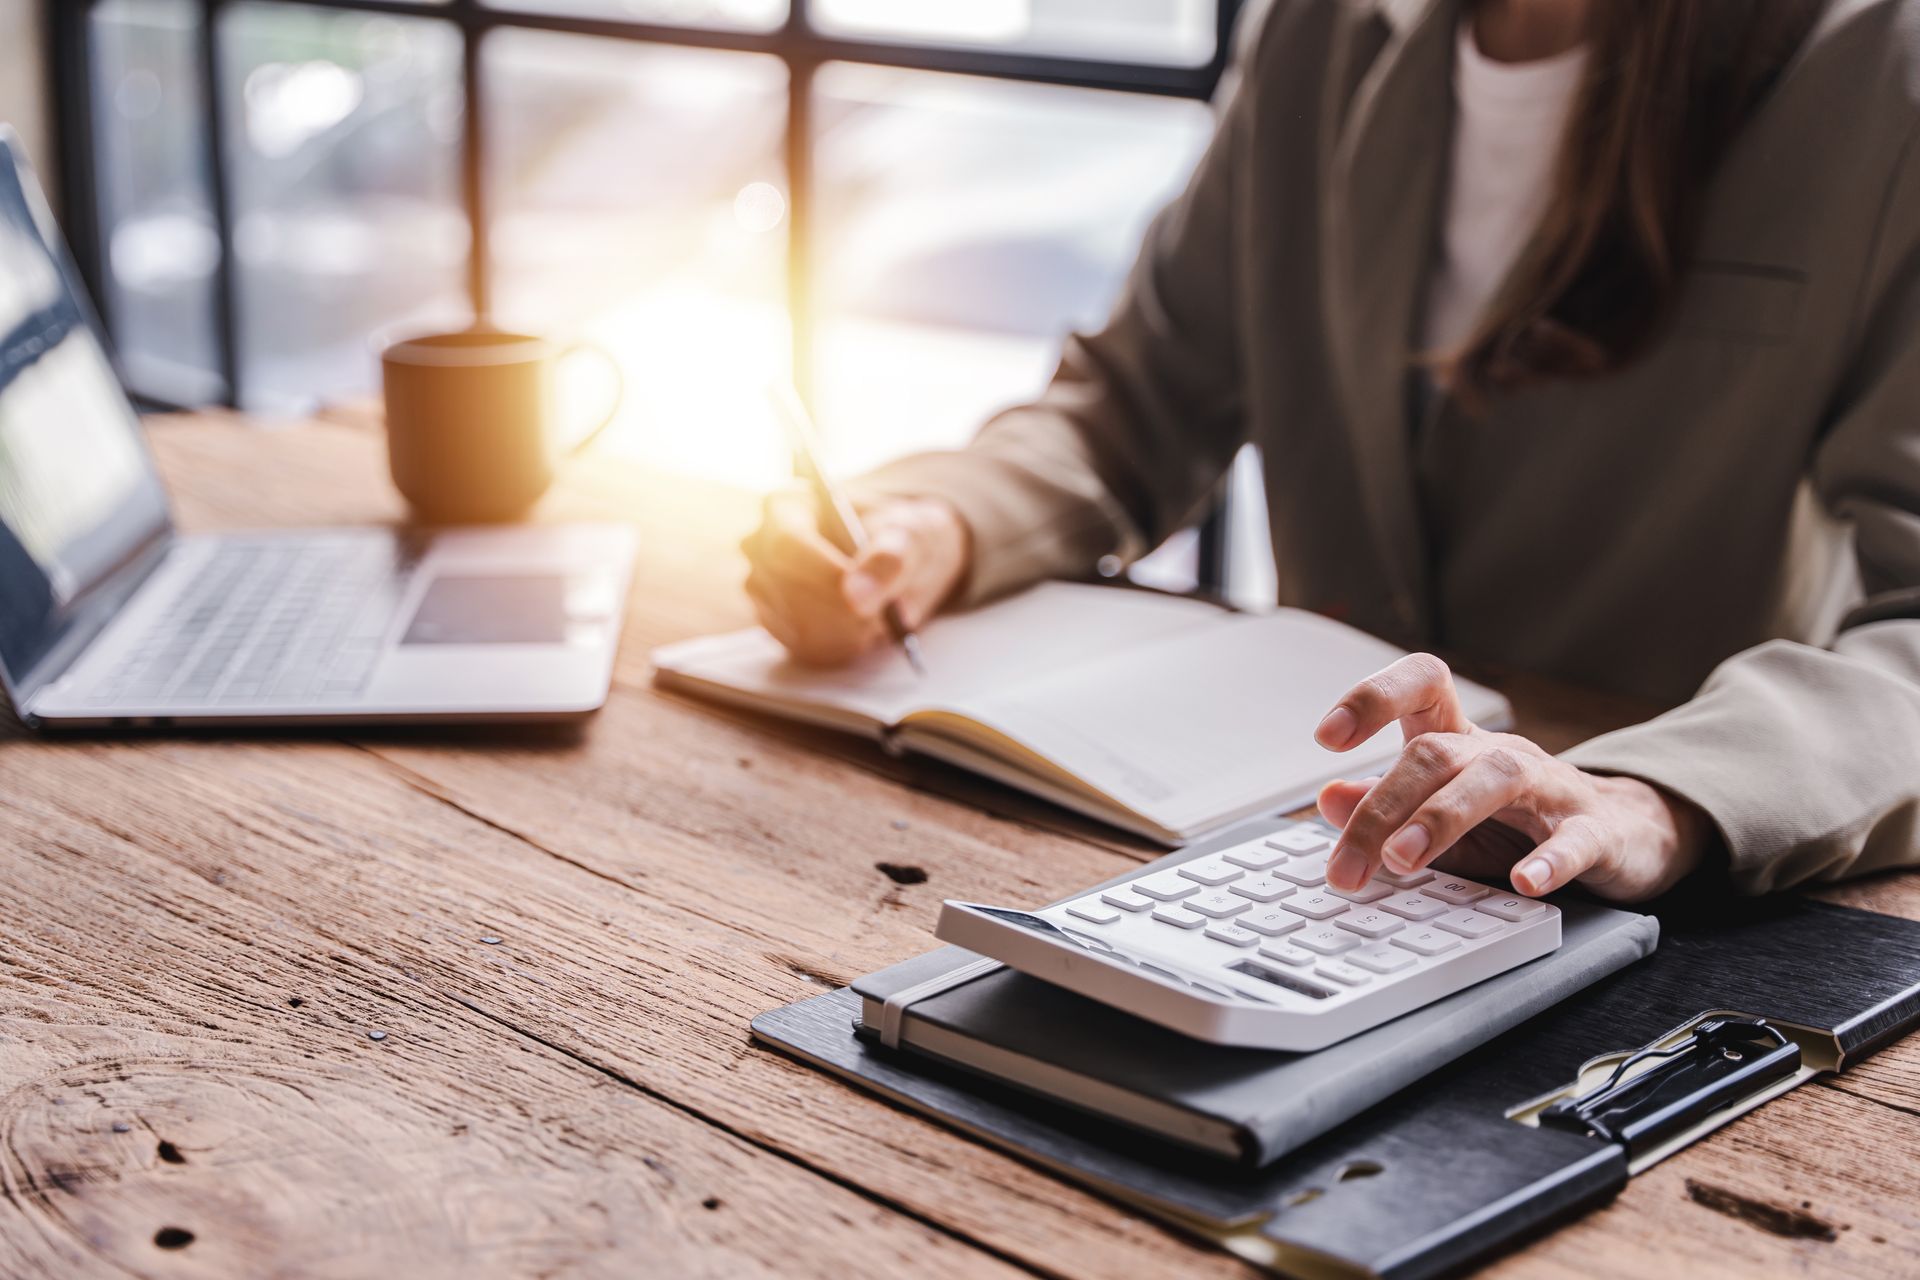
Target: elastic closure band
[{"x": 893, "y": 1012}]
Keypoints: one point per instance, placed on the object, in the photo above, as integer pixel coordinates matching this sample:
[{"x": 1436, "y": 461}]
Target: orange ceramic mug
[{"x": 471, "y": 432}]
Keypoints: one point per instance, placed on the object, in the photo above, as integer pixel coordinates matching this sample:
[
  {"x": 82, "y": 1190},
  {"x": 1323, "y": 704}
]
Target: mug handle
[{"x": 619, "y": 392}]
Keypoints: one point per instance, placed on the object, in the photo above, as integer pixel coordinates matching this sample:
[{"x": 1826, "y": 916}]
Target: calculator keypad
[
  {"x": 1325, "y": 940},
  {"x": 1211, "y": 871},
  {"x": 1287, "y": 953},
  {"x": 1232, "y": 934},
  {"x": 1315, "y": 906},
  {"x": 1370, "y": 924},
  {"x": 1309, "y": 871},
  {"x": 1267, "y": 902},
  {"x": 1262, "y": 889},
  {"x": 1509, "y": 908},
  {"x": 1300, "y": 839},
  {"x": 1468, "y": 924},
  {"x": 1255, "y": 857},
  {"x": 1270, "y": 922},
  {"x": 1381, "y": 958},
  {"x": 1413, "y": 906},
  {"x": 1458, "y": 892},
  {"x": 1343, "y": 973},
  {"x": 1216, "y": 904},
  {"x": 1425, "y": 942},
  {"x": 1093, "y": 911},
  {"x": 1166, "y": 887}
]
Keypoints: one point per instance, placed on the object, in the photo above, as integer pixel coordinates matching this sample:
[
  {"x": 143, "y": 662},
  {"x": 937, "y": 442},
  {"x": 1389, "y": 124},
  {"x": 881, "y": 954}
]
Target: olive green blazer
[{"x": 1731, "y": 525}]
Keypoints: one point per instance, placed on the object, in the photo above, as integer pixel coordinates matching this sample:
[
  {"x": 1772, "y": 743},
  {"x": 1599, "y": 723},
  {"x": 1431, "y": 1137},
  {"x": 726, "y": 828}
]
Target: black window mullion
[
  {"x": 70, "y": 58},
  {"x": 473, "y": 183},
  {"x": 798, "y": 155},
  {"x": 226, "y": 293}
]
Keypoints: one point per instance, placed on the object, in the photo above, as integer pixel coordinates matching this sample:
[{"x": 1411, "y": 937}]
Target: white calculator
[{"x": 1248, "y": 945}]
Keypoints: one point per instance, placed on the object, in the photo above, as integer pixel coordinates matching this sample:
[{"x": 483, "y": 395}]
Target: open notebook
[{"x": 1161, "y": 715}]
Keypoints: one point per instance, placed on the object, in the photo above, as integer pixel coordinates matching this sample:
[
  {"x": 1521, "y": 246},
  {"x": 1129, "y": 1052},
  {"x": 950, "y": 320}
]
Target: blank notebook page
[
  {"x": 1050, "y": 630},
  {"x": 1200, "y": 725}
]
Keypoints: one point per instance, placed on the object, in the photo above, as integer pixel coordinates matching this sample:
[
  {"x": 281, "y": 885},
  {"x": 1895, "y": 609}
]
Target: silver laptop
[{"x": 109, "y": 617}]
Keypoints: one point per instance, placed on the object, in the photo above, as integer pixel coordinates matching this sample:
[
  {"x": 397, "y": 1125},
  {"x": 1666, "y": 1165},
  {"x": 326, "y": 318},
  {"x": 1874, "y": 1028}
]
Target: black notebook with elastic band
[{"x": 1543, "y": 1121}]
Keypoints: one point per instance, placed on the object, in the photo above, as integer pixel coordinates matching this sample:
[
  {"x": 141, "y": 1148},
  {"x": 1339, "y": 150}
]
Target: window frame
[{"x": 796, "y": 43}]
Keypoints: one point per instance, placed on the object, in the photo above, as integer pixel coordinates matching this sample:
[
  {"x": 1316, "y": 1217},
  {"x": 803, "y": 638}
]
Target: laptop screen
[{"x": 78, "y": 493}]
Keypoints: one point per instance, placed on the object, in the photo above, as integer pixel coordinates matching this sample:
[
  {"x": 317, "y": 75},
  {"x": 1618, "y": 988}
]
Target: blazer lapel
[{"x": 1386, "y": 170}]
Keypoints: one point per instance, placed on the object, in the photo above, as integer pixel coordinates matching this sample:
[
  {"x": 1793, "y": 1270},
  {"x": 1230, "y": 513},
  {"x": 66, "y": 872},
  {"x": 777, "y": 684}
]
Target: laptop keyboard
[{"x": 274, "y": 621}]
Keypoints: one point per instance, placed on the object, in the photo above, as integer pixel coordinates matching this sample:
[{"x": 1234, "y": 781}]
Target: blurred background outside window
[{"x": 903, "y": 204}]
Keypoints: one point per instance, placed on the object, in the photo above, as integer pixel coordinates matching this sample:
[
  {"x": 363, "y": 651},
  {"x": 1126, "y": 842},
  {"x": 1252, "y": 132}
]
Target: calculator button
[
  {"x": 1166, "y": 887},
  {"x": 1314, "y": 906},
  {"x": 1271, "y": 921},
  {"x": 1216, "y": 904},
  {"x": 1343, "y": 973},
  {"x": 1371, "y": 924},
  {"x": 1307, "y": 872},
  {"x": 1287, "y": 953},
  {"x": 1210, "y": 871},
  {"x": 1508, "y": 908},
  {"x": 1381, "y": 958},
  {"x": 1371, "y": 891},
  {"x": 1254, "y": 857},
  {"x": 1325, "y": 939},
  {"x": 1425, "y": 942},
  {"x": 1403, "y": 879},
  {"x": 1262, "y": 889},
  {"x": 1468, "y": 924},
  {"x": 1126, "y": 899},
  {"x": 1231, "y": 934},
  {"x": 1178, "y": 917},
  {"x": 1414, "y": 906},
  {"x": 1299, "y": 840},
  {"x": 1092, "y": 909},
  {"x": 1458, "y": 892}
]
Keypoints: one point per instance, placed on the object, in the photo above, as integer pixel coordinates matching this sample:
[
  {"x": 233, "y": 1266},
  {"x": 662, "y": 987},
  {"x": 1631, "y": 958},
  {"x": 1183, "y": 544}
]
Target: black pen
[{"x": 838, "y": 520}]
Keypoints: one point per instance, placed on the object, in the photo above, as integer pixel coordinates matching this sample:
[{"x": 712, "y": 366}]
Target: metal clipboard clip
[{"x": 1662, "y": 1096}]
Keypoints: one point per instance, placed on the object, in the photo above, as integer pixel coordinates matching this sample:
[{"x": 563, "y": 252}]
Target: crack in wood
[
  {"x": 807, "y": 973},
  {"x": 1763, "y": 1215},
  {"x": 872, "y": 1197},
  {"x": 426, "y": 787},
  {"x": 1840, "y": 1084}
]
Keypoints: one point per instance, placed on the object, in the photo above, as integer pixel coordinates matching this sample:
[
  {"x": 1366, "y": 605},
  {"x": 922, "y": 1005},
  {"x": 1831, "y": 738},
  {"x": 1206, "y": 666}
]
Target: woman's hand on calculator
[{"x": 1492, "y": 803}]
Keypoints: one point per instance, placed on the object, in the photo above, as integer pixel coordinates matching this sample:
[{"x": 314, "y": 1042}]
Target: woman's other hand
[
  {"x": 826, "y": 606},
  {"x": 1492, "y": 804}
]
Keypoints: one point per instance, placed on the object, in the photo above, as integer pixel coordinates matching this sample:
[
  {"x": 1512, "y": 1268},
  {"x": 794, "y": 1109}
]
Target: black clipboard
[{"x": 1462, "y": 1165}]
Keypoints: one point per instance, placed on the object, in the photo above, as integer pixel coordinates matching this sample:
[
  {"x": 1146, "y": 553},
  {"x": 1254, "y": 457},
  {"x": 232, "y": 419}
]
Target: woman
[{"x": 1579, "y": 335}]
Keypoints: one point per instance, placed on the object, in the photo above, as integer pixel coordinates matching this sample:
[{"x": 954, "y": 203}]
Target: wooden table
[{"x": 421, "y": 1003}]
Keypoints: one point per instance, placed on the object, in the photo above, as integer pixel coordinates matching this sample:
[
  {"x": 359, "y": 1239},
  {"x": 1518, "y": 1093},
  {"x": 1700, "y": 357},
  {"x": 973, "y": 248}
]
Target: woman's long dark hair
[{"x": 1668, "y": 84}]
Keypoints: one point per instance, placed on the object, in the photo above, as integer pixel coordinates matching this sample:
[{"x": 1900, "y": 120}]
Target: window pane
[
  {"x": 1172, "y": 32},
  {"x": 740, "y": 15},
  {"x": 964, "y": 227},
  {"x": 160, "y": 251},
  {"x": 344, "y": 130},
  {"x": 639, "y": 203}
]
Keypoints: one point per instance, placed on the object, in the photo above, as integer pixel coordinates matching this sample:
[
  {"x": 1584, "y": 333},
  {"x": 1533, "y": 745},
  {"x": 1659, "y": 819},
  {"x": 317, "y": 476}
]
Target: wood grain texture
[{"x": 566, "y": 1100}]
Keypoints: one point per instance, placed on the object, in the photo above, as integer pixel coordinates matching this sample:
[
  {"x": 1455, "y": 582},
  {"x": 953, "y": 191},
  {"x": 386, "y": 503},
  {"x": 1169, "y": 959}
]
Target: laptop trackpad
[{"x": 494, "y": 609}]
